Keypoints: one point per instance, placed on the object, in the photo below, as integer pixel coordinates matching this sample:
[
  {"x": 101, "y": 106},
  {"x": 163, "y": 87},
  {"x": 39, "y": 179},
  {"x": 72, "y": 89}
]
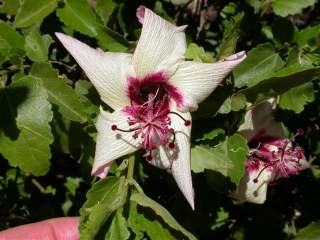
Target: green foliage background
[{"x": 48, "y": 109}]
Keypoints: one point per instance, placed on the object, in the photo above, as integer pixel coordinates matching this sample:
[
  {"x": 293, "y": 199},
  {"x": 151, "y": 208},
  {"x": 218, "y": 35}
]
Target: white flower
[
  {"x": 271, "y": 157},
  {"x": 152, "y": 92}
]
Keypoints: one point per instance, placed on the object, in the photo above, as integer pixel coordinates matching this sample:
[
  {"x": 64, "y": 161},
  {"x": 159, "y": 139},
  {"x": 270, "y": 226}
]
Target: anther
[
  {"x": 172, "y": 145},
  {"x": 300, "y": 132},
  {"x": 255, "y": 180},
  {"x": 186, "y": 121},
  {"x": 149, "y": 158},
  {"x": 114, "y": 127}
]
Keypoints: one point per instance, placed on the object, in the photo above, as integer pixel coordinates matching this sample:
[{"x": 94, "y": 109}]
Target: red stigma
[{"x": 149, "y": 158}]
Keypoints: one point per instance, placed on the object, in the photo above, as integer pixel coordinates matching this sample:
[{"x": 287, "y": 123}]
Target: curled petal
[
  {"x": 107, "y": 71},
  {"x": 112, "y": 144},
  {"x": 260, "y": 122},
  {"x": 177, "y": 161},
  {"x": 160, "y": 47},
  {"x": 196, "y": 81},
  {"x": 253, "y": 186}
]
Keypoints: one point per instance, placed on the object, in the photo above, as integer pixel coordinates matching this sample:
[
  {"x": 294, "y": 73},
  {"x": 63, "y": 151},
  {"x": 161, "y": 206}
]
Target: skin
[{"x": 64, "y": 228}]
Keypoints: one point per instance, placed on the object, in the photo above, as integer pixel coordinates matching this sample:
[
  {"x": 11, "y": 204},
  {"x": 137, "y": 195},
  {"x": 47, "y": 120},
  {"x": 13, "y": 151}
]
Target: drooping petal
[
  {"x": 112, "y": 144},
  {"x": 177, "y": 161},
  {"x": 260, "y": 122},
  {"x": 160, "y": 47},
  {"x": 107, "y": 71},
  {"x": 251, "y": 191},
  {"x": 196, "y": 81}
]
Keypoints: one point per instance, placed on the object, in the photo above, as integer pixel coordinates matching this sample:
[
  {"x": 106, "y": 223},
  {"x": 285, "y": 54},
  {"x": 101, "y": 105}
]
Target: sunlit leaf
[
  {"x": 25, "y": 133},
  {"x": 228, "y": 157},
  {"x": 145, "y": 201},
  {"x": 284, "y": 8},
  {"x": 105, "y": 197},
  {"x": 261, "y": 61},
  {"x": 37, "y": 46},
  {"x": 59, "y": 92},
  {"x": 33, "y": 11},
  {"x": 296, "y": 98}
]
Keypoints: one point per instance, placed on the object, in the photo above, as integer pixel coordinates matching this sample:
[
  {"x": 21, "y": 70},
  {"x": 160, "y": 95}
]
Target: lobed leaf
[
  {"x": 261, "y": 61},
  {"x": 284, "y": 8},
  {"x": 25, "y": 133},
  {"x": 228, "y": 157},
  {"x": 296, "y": 98},
  {"x": 60, "y": 94}
]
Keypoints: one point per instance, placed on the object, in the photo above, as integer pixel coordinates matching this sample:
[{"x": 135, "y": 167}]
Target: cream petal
[
  {"x": 254, "y": 192},
  {"x": 196, "y": 81},
  {"x": 260, "y": 121},
  {"x": 303, "y": 164},
  {"x": 107, "y": 71},
  {"x": 160, "y": 47},
  {"x": 177, "y": 161},
  {"x": 112, "y": 144}
]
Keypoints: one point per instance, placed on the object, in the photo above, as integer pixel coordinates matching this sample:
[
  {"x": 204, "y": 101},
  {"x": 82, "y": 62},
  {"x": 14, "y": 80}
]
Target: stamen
[
  {"x": 186, "y": 121},
  {"x": 255, "y": 180},
  {"x": 115, "y": 128},
  {"x": 149, "y": 157}
]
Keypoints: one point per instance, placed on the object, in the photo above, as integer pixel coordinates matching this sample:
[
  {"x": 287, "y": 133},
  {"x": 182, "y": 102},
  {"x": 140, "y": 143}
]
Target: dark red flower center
[
  {"x": 280, "y": 156},
  {"x": 149, "y": 113}
]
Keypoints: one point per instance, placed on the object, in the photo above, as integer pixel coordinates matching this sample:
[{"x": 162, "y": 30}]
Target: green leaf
[
  {"x": 154, "y": 229},
  {"x": 303, "y": 36},
  {"x": 284, "y": 8},
  {"x": 105, "y": 197},
  {"x": 212, "y": 134},
  {"x": 78, "y": 15},
  {"x": 238, "y": 102},
  {"x": 60, "y": 93},
  {"x": 230, "y": 36},
  {"x": 261, "y": 61},
  {"x": 198, "y": 54},
  {"x": 11, "y": 42},
  {"x": 10, "y": 6},
  {"x": 25, "y": 133},
  {"x": 104, "y": 9},
  {"x": 228, "y": 157},
  {"x": 281, "y": 81},
  {"x": 310, "y": 232},
  {"x": 33, "y": 11},
  {"x": 145, "y": 201},
  {"x": 179, "y": 2},
  {"x": 72, "y": 184},
  {"x": 296, "y": 98},
  {"x": 37, "y": 46},
  {"x": 119, "y": 228},
  {"x": 234, "y": 103}
]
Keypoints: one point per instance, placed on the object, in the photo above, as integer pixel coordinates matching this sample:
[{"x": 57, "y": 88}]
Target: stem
[
  {"x": 130, "y": 168},
  {"x": 38, "y": 185}
]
